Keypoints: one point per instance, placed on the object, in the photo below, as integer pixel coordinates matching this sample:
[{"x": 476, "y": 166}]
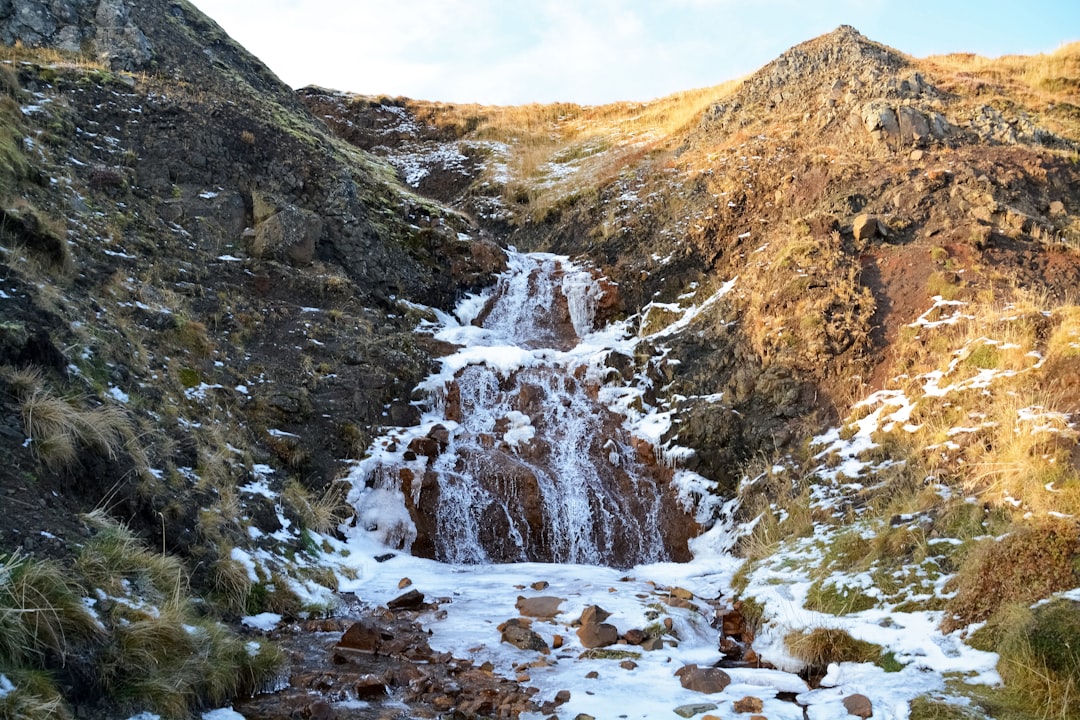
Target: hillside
[{"x": 825, "y": 313}]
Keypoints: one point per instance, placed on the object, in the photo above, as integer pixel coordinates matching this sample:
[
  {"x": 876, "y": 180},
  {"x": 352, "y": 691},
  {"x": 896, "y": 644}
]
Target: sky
[{"x": 591, "y": 52}]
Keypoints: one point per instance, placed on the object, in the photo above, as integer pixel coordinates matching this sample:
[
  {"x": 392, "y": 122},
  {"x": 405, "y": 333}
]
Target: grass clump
[
  {"x": 822, "y": 646},
  {"x": 42, "y": 616},
  {"x": 59, "y": 429},
  {"x": 1036, "y": 559},
  {"x": 161, "y": 653},
  {"x": 1039, "y": 649},
  {"x": 925, "y": 707}
]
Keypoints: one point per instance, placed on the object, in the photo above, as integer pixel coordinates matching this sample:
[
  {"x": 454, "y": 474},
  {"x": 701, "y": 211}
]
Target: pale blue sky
[{"x": 597, "y": 51}]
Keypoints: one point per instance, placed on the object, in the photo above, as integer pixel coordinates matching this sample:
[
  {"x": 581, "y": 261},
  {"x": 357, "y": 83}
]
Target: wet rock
[
  {"x": 545, "y": 606},
  {"x": 703, "y": 680},
  {"x": 859, "y": 706},
  {"x": 363, "y": 636},
  {"x": 411, "y": 600},
  {"x": 689, "y": 711},
  {"x": 321, "y": 710},
  {"x": 369, "y": 686},
  {"x": 597, "y": 635},
  {"x": 749, "y": 704}
]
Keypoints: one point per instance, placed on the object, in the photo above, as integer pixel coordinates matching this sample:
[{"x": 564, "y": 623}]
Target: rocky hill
[{"x": 848, "y": 278}]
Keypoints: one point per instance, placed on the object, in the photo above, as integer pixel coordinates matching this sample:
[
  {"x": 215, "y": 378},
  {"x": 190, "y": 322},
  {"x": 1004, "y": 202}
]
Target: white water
[{"x": 534, "y": 467}]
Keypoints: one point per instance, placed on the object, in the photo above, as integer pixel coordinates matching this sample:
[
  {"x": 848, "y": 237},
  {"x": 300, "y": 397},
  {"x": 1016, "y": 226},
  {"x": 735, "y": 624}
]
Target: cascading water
[{"x": 516, "y": 459}]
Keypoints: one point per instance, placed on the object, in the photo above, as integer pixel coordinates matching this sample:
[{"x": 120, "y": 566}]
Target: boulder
[
  {"x": 859, "y": 706},
  {"x": 544, "y": 606},
  {"x": 284, "y": 232},
  {"x": 707, "y": 680},
  {"x": 881, "y": 121},
  {"x": 362, "y": 636},
  {"x": 914, "y": 127},
  {"x": 865, "y": 228},
  {"x": 593, "y": 614},
  {"x": 596, "y": 635},
  {"x": 411, "y": 600},
  {"x": 520, "y": 635}
]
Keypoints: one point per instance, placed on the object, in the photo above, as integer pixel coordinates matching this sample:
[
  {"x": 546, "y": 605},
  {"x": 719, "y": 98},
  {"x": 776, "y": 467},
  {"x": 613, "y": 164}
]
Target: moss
[
  {"x": 984, "y": 357},
  {"x": 606, "y": 654},
  {"x": 828, "y": 597}
]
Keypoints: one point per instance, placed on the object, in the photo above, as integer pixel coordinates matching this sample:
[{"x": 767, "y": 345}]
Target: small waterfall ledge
[{"x": 531, "y": 448}]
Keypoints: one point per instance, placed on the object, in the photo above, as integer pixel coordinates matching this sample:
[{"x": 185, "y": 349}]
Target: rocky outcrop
[{"x": 72, "y": 25}]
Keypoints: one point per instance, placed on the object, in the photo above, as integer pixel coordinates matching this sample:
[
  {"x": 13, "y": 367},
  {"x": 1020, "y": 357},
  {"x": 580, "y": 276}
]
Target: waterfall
[{"x": 516, "y": 459}]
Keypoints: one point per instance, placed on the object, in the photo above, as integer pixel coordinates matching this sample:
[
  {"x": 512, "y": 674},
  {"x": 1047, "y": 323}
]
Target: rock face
[{"x": 72, "y": 24}]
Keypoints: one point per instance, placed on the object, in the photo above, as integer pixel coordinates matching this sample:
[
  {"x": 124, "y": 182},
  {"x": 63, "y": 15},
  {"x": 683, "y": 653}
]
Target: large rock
[
  {"x": 289, "y": 235},
  {"x": 881, "y": 121},
  {"x": 706, "y": 680},
  {"x": 865, "y": 228},
  {"x": 544, "y": 606},
  {"x": 597, "y": 635},
  {"x": 914, "y": 127},
  {"x": 518, "y": 633},
  {"x": 859, "y": 706}
]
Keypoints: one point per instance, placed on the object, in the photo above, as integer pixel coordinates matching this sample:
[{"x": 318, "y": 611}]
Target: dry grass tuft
[
  {"x": 1036, "y": 559},
  {"x": 822, "y": 646}
]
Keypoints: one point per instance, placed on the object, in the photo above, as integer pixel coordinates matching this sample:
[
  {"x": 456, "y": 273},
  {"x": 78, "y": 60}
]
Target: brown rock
[
  {"x": 859, "y": 706},
  {"x": 596, "y": 635},
  {"x": 749, "y": 704},
  {"x": 668, "y": 624},
  {"x": 562, "y": 697},
  {"x": 363, "y": 636},
  {"x": 545, "y": 606},
  {"x": 540, "y": 585},
  {"x": 592, "y": 675},
  {"x": 521, "y": 636},
  {"x": 428, "y": 447},
  {"x": 557, "y": 641},
  {"x": 593, "y": 614},
  {"x": 628, "y": 665},
  {"x": 411, "y": 600},
  {"x": 634, "y": 637},
  {"x": 703, "y": 680},
  {"x": 865, "y": 227},
  {"x": 404, "y": 583},
  {"x": 652, "y": 643},
  {"x": 1057, "y": 208}
]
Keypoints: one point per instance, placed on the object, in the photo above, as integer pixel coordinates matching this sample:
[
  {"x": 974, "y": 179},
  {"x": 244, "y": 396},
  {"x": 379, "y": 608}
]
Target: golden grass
[
  {"x": 561, "y": 150},
  {"x": 1047, "y": 84}
]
